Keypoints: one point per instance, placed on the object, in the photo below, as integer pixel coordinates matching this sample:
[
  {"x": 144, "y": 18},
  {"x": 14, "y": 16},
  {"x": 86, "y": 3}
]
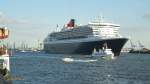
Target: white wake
[{"x": 77, "y": 60}]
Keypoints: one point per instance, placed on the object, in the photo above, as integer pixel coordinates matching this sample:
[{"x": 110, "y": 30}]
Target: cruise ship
[{"x": 83, "y": 39}]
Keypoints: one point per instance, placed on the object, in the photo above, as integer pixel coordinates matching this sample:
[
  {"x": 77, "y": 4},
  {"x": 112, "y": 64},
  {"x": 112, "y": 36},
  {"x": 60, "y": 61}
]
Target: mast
[{"x": 132, "y": 45}]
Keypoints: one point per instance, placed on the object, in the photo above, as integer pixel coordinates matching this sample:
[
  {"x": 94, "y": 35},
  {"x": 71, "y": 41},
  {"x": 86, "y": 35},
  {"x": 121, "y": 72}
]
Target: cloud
[
  {"x": 1, "y": 13},
  {"x": 4, "y": 19},
  {"x": 146, "y": 15},
  {"x": 7, "y": 20}
]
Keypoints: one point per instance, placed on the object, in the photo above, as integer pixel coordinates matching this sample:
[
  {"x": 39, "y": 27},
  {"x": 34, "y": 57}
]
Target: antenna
[{"x": 100, "y": 18}]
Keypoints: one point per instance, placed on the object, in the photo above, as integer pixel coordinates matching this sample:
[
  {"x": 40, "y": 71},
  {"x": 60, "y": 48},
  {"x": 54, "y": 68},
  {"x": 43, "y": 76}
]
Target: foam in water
[
  {"x": 77, "y": 60},
  {"x": 68, "y": 59}
]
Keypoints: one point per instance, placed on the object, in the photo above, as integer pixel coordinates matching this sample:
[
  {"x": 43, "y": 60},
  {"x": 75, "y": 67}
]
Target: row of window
[{"x": 77, "y": 32}]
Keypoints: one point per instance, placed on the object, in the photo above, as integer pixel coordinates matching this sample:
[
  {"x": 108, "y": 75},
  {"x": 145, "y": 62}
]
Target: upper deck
[{"x": 95, "y": 28}]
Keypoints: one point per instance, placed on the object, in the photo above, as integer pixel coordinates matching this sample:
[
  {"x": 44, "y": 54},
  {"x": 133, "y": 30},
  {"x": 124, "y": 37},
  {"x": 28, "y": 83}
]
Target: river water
[{"x": 41, "y": 68}]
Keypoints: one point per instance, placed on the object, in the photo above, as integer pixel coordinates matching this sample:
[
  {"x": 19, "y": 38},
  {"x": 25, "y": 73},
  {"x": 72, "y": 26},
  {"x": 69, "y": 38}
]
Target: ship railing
[{"x": 106, "y": 37}]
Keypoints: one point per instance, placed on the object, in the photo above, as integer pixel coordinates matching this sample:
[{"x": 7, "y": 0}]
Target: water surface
[{"x": 41, "y": 68}]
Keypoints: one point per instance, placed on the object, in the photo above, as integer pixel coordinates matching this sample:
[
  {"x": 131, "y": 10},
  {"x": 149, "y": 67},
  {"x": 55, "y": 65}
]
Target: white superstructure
[{"x": 103, "y": 29}]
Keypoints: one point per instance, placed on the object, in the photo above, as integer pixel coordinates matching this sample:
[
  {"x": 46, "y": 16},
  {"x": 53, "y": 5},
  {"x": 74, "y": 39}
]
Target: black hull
[{"x": 85, "y": 48}]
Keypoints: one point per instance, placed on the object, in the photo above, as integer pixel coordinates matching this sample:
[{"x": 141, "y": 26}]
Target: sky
[{"x": 30, "y": 21}]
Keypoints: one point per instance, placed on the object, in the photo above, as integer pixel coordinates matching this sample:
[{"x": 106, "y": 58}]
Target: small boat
[
  {"x": 105, "y": 53},
  {"x": 108, "y": 54},
  {"x": 98, "y": 53}
]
